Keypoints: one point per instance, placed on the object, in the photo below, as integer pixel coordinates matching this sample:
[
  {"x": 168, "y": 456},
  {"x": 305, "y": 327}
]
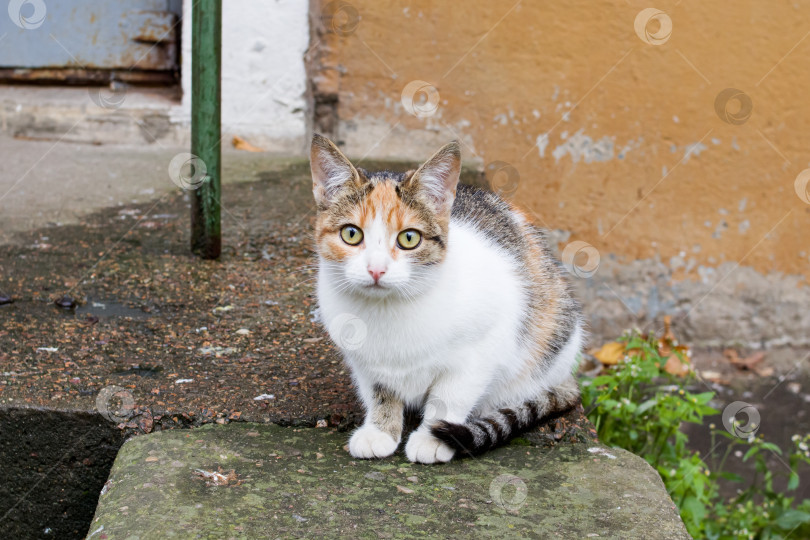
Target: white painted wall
[{"x": 263, "y": 75}]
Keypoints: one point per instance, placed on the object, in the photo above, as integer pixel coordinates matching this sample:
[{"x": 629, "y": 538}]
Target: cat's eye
[
  {"x": 351, "y": 235},
  {"x": 409, "y": 239}
]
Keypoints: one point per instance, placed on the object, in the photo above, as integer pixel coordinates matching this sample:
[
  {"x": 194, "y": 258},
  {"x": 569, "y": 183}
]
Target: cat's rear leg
[{"x": 380, "y": 434}]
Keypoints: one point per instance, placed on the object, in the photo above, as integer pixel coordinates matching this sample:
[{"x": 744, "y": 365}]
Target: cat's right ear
[{"x": 331, "y": 170}]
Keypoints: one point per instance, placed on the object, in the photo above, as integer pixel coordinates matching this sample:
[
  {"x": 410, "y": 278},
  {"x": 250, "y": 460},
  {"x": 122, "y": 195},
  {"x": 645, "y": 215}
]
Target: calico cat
[{"x": 457, "y": 307}]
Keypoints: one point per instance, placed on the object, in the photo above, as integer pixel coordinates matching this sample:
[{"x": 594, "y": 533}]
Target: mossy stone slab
[{"x": 301, "y": 482}]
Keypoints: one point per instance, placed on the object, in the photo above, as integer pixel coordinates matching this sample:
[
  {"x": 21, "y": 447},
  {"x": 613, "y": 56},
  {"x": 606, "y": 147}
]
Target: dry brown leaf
[
  {"x": 715, "y": 377},
  {"x": 241, "y": 144},
  {"x": 763, "y": 371},
  {"x": 677, "y": 355},
  {"x": 667, "y": 339},
  {"x": 610, "y": 353},
  {"x": 676, "y": 366},
  {"x": 669, "y": 335},
  {"x": 731, "y": 355},
  {"x": 747, "y": 363},
  {"x": 219, "y": 477}
]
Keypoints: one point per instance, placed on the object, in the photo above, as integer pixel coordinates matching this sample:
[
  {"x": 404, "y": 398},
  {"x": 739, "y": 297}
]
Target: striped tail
[{"x": 477, "y": 435}]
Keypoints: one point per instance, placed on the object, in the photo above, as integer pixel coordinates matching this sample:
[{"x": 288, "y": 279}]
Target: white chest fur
[{"x": 469, "y": 319}]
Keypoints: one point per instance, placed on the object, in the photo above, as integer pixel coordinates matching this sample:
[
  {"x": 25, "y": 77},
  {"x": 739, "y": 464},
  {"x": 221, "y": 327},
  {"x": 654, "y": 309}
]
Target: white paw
[
  {"x": 369, "y": 442},
  {"x": 423, "y": 447}
]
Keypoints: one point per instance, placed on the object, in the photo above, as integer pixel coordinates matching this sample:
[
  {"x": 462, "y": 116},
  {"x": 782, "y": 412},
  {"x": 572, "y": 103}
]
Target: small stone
[
  {"x": 375, "y": 475},
  {"x": 65, "y": 302},
  {"x": 243, "y": 331},
  {"x": 403, "y": 489},
  {"x": 318, "y": 455},
  {"x": 152, "y": 459},
  {"x": 413, "y": 479},
  {"x": 321, "y": 423}
]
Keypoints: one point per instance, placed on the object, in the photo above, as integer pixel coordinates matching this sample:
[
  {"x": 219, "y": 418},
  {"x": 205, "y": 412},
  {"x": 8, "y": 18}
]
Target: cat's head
[{"x": 382, "y": 234}]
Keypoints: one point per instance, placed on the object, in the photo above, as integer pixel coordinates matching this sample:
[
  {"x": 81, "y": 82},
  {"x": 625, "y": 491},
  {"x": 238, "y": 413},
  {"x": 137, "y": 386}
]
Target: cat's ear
[
  {"x": 331, "y": 170},
  {"x": 438, "y": 177}
]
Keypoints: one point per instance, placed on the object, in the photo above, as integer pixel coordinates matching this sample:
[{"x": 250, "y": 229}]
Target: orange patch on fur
[{"x": 382, "y": 201}]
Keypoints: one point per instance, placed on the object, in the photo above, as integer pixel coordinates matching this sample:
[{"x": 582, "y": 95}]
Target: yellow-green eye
[
  {"x": 409, "y": 239},
  {"x": 351, "y": 235}
]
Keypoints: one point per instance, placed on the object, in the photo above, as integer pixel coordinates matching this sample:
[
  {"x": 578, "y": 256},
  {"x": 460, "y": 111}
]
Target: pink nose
[{"x": 376, "y": 273}]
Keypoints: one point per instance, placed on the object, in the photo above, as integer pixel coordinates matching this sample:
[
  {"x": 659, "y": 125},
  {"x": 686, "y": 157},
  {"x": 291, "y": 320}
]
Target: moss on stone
[{"x": 301, "y": 482}]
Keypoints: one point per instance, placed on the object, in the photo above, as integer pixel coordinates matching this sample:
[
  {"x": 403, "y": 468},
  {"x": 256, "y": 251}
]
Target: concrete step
[{"x": 277, "y": 482}]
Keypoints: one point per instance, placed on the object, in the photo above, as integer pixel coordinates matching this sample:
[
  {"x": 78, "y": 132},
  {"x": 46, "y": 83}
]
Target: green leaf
[
  {"x": 733, "y": 477},
  {"x": 704, "y": 397},
  {"x": 792, "y": 519},
  {"x": 695, "y": 508},
  {"x": 793, "y": 482},
  {"x": 751, "y": 451},
  {"x": 772, "y": 447},
  {"x": 603, "y": 379},
  {"x": 647, "y": 405}
]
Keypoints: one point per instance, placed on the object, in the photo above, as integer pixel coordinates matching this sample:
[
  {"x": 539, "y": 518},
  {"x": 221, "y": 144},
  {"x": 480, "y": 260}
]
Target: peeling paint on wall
[
  {"x": 582, "y": 147},
  {"x": 542, "y": 144},
  {"x": 693, "y": 149}
]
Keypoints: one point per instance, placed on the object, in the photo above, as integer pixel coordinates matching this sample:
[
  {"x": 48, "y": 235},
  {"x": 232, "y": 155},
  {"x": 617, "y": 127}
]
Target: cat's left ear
[
  {"x": 438, "y": 177},
  {"x": 331, "y": 170}
]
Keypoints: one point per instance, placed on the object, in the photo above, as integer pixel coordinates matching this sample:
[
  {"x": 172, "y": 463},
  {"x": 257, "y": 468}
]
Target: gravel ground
[{"x": 191, "y": 341}]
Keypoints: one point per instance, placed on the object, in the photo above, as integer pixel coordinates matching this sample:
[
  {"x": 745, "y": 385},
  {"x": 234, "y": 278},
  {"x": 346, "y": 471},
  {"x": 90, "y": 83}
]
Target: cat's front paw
[
  {"x": 423, "y": 447},
  {"x": 370, "y": 442}
]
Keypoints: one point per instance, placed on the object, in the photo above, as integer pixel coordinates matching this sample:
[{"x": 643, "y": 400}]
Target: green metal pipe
[{"x": 206, "y": 70}]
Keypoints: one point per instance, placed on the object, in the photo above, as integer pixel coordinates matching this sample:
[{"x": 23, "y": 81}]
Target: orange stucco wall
[{"x": 633, "y": 155}]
